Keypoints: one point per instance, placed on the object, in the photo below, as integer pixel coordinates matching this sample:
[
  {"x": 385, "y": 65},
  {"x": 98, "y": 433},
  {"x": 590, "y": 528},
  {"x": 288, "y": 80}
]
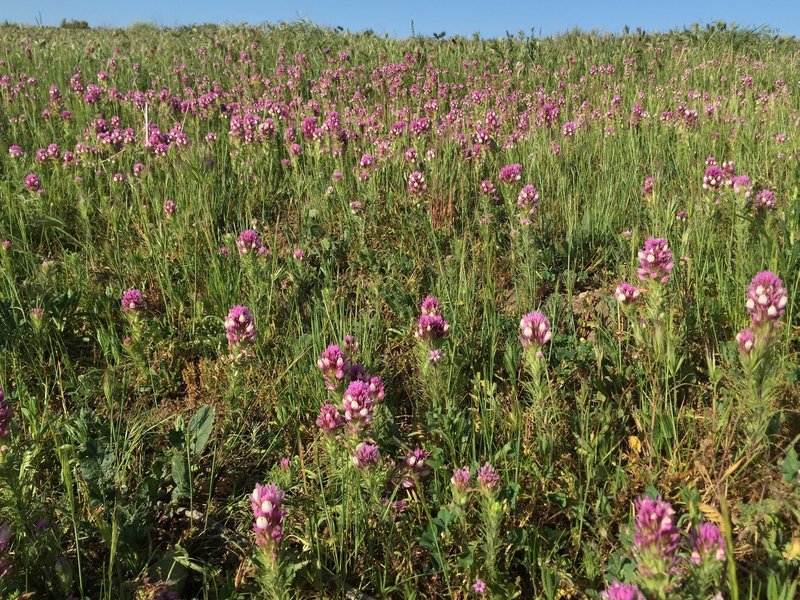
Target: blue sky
[{"x": 491, "y": 18}]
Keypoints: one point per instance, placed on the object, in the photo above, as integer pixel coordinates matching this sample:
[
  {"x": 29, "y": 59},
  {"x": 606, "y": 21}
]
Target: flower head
[
  {"x": 431, "y": 306},
  {"x": 479, "y": 587},
  {"x": 170, "y": 207},
  {"x": 32, "y": 182},
  {"x": 713, "y": 178},
  {"x": 766, "y": 298},
  {"x": 460, "y": 479},
  {"x": 746, "y": 341},
  {"x": 647, "y": 188},
  {"x": 621, "y": 591},
  {"x": 765, "y": 200},
  {"x": 366, "y": 455},
  {"x": 240, "y": 330},
  {"x": 488, "y": 478},
  {"x": 415, "y": 467},
  {"x": 511, "y": 173},
  {"x": 359, "y": 403},
  {"x": 268, "y": 516},
  {"x": 329, "y": 419},
  {"x": 626, "y": 293},
  {"x": 248, "y": 241},
  {"x": 656, "y": 536},
  {"x": 534, "y": 329},
  {"x": 416, "y": 184},
  {"x": 334, "y": 365},
  {"x": 528, "y": 199},
  {"x": 132, "y": 302},
  {"x": 655, "y": 260},
  {"x": 708, "y": 544},
  {"x": 431, "y": 328}
]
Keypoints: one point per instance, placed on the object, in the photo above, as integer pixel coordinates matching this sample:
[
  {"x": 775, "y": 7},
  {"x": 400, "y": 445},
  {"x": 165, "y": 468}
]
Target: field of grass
[{"x": 501, "y": 318}]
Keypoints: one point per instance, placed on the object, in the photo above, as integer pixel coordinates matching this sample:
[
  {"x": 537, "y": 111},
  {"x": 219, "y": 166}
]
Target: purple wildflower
[
  {"x": 488, "y": 478},
  {"x": 359, "y": 404},
  {"x": 32, "y": 182},
  {"x": 479, "y": 587},
  {"x": 15, "y": 151},
  {"x": 766, "y": 298},
  {"x": 334, "y": 365},
  {"x": 329, "y": 419},
  {"x": 248, "y": 241},
  {"x": 460, "y": 479},
  {"x": 431, "y": 328},
  {"x": 647, "y": 188},
  {"x": 713, "y": 178},
  {"x": 534, "y": 329},
  {"x": 528, "y": 199},
  {"x": 431, "y": 306},
  {"x": 132, "y": 302},
  {"x": 741, "y": 185},
  {"x": 626, "y": 293},
  {"x": 622, "y": 591},
  {"x": 707, "y": 544},
  {"x": 239, "y": 329},
  {"x": 656, "y": 536},
  {"x": 268, "y": 516},
  {"x": 765, "y": 199},
  {"x": 170, "y": 207},
  {"x": 511, "y": 173},
  {"x": 415, "y": 467},
  {"x": 366, "y": 455},
  {"x": 746, "y": 341},
  {"x": 655, "y": 260},
  {"x": 416, "y": 184}
]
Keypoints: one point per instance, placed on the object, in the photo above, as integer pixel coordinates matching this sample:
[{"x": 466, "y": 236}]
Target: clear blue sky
[{"x": 491, "y": 18}]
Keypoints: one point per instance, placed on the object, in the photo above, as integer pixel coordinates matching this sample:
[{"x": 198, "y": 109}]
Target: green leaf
[
  {"x": 199, "y": 429},
  {"x": 180, "y": 475},
  {"x": 790, "y": 467}
]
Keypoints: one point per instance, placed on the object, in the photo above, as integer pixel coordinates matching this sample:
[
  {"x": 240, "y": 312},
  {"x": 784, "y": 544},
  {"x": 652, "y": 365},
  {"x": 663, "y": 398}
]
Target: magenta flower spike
[{"x": 655, "y": 260}]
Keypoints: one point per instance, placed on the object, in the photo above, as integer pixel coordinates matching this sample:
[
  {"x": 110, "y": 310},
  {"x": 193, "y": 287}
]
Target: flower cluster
[
  {"x": 766, "y": 303},
  {"x": 133, "y": 303},
  {"x": 366, "y": 455},
  {"x": 527, "y": 201},
  {"x": 708, "y": 544},
  {"x": 488, "y": 478},
  {"x": 626, "y": 293},
  {"x": 361, "y": 392},
  {"x": 765, "y": 200},
  {"x": 268, "y": 516},
  {"x": 713, "y": 178},
  {"x": 766, "y": 298},
  {"x": 414, "y": 468},
  {"x": 240, "y": 330},
  {"x": 511, "y": 173},
  {"x": 432, "y": 329},
  {"x": 248, "y": 241},
  {"x": 535, "y": 330},
  {"x": 416, "y": 184},
  {"x": 656, "y": 537},
  {"x": 655, "y": 260},
  {"x": 335, "y": 367},
  {"x": 622, "y": 591}
]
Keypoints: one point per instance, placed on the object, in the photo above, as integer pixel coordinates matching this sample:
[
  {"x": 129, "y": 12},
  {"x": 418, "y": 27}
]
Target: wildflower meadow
[{"x": 292, "y": 312}]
